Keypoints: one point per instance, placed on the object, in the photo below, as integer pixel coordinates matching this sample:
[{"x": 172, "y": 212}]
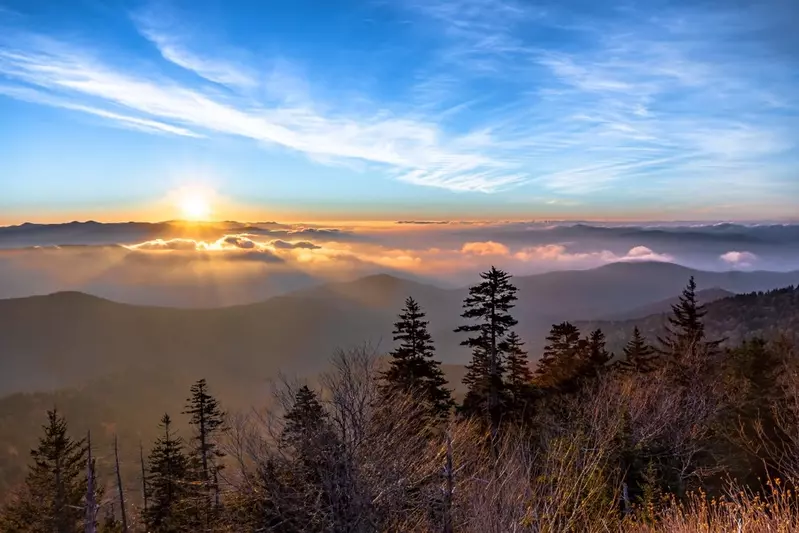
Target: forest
[{"x": 678, "y": 431}]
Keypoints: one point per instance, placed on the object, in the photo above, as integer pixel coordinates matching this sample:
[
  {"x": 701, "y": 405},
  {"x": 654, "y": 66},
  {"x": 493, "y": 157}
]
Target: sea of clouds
[{"x": 231, "y": 263}]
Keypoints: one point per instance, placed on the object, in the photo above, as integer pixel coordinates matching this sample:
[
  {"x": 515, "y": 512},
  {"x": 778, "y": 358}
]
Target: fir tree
[
  {"x": 519, "y": 380},
  {"x": 305, "y": 421},
  {"x": 597, "y": 355},
  {"x": 167, "y": 483},
  {"x": 489, "y": 304},
  {"x": 307, "y": 432},
  {"x": 208, "y": 420},
  {"x": 685, "y": 332},
  {"x": 413, "y": 368},
  {"x": 564, "y": 357},
  {"x": 639, "y": 356},
  {"x": 482, "y": 382},
  {"x": 54, "y": 495},
  {"x": 309, "y": 482}
]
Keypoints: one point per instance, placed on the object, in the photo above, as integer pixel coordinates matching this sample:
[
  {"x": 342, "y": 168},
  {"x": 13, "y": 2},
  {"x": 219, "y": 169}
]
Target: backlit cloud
[
  {"x": 558, "y": 253},
  {"x": 485, "y": 248},
  {"x": 283, "y": 245}
]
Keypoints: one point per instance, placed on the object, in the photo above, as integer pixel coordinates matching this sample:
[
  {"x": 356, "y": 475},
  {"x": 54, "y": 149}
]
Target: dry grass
[
  {"x": 737, "y": 512},
  {"x": 562, "y": 474}
]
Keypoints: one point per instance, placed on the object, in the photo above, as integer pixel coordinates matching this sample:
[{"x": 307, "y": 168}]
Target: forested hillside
[
  {"x": 734, "y": 319},
  {"x": 682, "y": 430}
]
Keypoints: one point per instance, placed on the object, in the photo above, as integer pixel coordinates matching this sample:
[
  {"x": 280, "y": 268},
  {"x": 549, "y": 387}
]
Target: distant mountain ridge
[
  {"x": 64, "y": 339},
  {"x": 686, "y": 235},
  {"x": 766, "y": 314},
  {"x": 93, "y": 233},
  {"x": 664, "y": 306},
  {"x": 624, "y": 286}
]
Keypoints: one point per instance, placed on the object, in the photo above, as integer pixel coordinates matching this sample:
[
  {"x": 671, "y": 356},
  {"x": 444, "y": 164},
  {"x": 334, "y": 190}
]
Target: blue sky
[{"x": 397, "y": 109}]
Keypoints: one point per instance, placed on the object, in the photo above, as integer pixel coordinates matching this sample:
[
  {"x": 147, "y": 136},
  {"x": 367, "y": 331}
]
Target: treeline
[
  {"x": 766, "y": 314},
  {"x": 673, "y": 434},
  {"x": 179, "y": 479}
]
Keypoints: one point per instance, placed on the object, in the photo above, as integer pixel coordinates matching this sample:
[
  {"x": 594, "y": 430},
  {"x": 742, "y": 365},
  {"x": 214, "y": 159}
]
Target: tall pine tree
[
  {"x": 208, "y": 421},
  {"x": 168, "y": 484},
  {"x": 413, "y": 368},
  {"x": 685, "y": 332},
  {"x": 488, "y": 308},
  {"x": 597, "y": 355},
  {"x": 54, "y": 496}
]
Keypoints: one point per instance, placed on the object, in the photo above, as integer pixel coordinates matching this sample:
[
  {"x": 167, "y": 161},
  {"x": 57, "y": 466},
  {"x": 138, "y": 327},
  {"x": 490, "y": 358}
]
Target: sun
[{"x": 195, "y": 205}]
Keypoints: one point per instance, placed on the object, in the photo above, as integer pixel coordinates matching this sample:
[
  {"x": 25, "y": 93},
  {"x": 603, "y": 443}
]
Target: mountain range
[{"x": 66, "y": 339}]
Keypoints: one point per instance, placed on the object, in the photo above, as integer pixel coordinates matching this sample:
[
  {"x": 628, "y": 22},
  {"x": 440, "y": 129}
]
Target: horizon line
[{"x": 415, "y": 222}]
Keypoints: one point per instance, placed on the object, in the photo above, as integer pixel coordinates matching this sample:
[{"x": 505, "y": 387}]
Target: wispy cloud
[
  {"x": 411, "y": 149},
  {"x": 617, "y": 97},
  {"x": 136, "y": 123},
  {"x": 484, "y": 33},
  {"x": 160, "y": 26},
  {"x": 564, "y": 100}
]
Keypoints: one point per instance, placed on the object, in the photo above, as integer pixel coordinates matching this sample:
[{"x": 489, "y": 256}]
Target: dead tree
[
  {"x": 91, "y": 497},
  {"x": 119, "y": 487},
  {"x": 143, "y": 478}
]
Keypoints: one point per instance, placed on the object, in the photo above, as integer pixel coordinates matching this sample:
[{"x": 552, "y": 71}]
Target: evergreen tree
[
  {"x": 753, "y": 404},
  {"x": 413, "y": 368},
  {"x": 54, "y": 496},
  {"x": 167, "y": 483},
  {"x": 564, "y": 358},
  {"x": 685, "y": 332},
  {"x": 489, "y": 304},
  {"x": 309, "y": 484},
  {"x": 482, "y": 382},
  {"x": 597, "y": 353},
  {"x": 519, "y": 380},
  {"x": 639, "y": 356},
  {"x": 305, "y": 421},
  {"x": 208, "y": 420}
]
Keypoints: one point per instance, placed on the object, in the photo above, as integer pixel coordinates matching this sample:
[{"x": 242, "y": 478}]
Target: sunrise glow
[{"x": 194, "y": 205}]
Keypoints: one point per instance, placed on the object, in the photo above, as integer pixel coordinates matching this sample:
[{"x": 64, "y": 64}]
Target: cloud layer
[{"x": 238, "y": 263}]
